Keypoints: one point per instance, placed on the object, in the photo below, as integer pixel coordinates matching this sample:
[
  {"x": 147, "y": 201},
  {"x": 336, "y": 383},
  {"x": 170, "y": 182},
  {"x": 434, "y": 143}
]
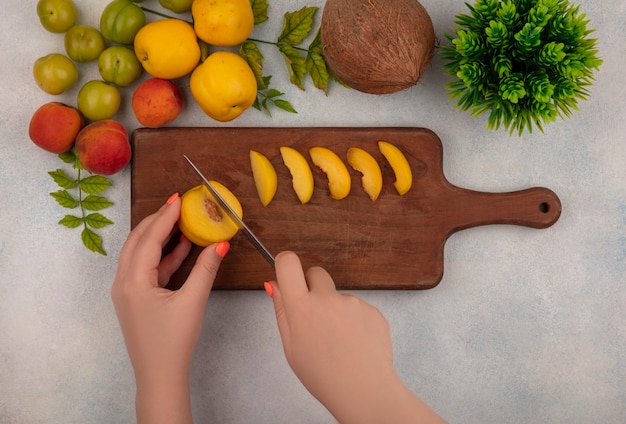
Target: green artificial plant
[{"x": 526, "y": 62}]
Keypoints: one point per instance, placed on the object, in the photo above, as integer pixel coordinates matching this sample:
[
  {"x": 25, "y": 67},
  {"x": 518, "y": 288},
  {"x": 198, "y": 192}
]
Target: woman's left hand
[{"x": 161, "y": 327}]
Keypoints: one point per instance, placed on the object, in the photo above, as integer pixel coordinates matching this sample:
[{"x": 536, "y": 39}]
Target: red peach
[
  {"x": 54, "y": 127},
  {"x": 157, "y": 102},
  {"x": 103, "y": 147}
]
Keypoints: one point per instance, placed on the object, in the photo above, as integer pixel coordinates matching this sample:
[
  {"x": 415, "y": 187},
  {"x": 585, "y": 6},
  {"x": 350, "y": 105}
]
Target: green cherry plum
[
  {"x": 121, "y": 20},
  {"x": 119, "y": 65},
  {"x": 83, "y": 43},
  {"x": 57, "y": 15},
  {"x": 98, "y": 100},
  {"x": 177, "y": 6},
  {"x": 55, "y": 73}
]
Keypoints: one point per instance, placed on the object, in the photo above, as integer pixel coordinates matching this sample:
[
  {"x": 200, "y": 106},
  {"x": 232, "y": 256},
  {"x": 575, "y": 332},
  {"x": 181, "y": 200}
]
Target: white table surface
[{"x": 526, "y": 326}]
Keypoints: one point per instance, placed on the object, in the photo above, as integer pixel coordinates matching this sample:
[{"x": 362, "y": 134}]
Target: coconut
[{"x": 377, "y": 47}]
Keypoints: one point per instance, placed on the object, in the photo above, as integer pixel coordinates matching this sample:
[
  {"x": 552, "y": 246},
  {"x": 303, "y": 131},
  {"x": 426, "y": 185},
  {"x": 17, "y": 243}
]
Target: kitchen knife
[{"x": 230, "y": 213}]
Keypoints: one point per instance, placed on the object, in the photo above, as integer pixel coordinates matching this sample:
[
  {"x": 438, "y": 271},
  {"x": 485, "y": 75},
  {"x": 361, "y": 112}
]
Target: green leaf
[
  {"x": 316, "y": 64},
  {"x": 92, "y": 241},
  {"x": 507, "y": 13},
  {"x": 469, "y": 44},
  {"x": 71, "y": 221},
  {"x": 250, "y": 51},
  {"x": 78, "y": 164},
  {"x": 95, "y": 203},
  {"x": 65, "y": 199},
  {"x": 267, "y": 98},
  {"x": 68, "y": 157},
  {"x": 265, "y": 107},
  {"x": 62, "y": 179},
  {"x": 94, "y": 184},
  {"x": 497, "y": 34},
  {"x": 296, "y": 64},
  {"x": 259, "y": 10},
  {"x": 284, "y": 105},
  {"x": 205, "y": 50},
  {"x": 528, "y": 39},
  {"x": 512, "y": 88},
  {"x": 297, "y": 26},
  {"x": 97, "y": 220},
  {"x": 272, "y": 92}
]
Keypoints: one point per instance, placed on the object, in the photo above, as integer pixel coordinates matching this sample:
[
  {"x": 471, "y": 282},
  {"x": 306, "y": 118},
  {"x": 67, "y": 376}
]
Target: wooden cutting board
[{"x": 396, "y": 242}]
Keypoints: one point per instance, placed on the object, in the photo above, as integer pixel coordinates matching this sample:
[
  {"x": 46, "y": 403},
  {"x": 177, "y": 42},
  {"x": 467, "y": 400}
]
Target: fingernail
[
  {"x": 269, "y": 289},
  {"x": 182, "y": 238},
  {"x": 222, "y": 248},
  {"x": 172, "y": 198}
]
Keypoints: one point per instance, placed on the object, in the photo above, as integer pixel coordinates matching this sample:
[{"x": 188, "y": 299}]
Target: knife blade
[{"x": 232, "y": 215}]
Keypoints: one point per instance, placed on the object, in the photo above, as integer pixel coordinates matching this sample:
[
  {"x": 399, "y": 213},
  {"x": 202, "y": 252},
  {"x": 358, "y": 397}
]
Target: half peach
[{"x": 201, "y": 219}]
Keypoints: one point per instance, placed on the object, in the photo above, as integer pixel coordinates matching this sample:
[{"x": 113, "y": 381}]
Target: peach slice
[
  {"x": 400, "y": 166},
  {"x": 301, "y": 174},
  {"x": 265, "y": 178},
  {"x": 201, "y": 220},
  {"x": 372, "y": 176},
  {"x": 339, "y": 181}
]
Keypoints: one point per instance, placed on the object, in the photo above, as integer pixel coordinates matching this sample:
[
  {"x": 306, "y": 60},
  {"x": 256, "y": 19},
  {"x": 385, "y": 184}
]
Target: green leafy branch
[
  {"x": 300, "y": 61},
  {"x": 83, "y": 194}
]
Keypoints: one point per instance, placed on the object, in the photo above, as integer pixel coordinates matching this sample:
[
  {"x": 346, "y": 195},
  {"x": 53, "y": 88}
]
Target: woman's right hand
[{"x": 340, "y": 348}]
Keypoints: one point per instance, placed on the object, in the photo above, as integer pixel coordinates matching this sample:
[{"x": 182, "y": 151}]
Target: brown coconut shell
[{"x": 377, "y": 46}]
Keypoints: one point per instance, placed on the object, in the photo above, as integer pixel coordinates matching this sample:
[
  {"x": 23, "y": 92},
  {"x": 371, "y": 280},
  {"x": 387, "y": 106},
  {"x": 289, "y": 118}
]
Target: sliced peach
[
  {"x": 301, "y": 174},
  {"x": 339, "y": 181},
  {"x": 372, "y": 176},
  {"x": 201, "y": 220},
  {"x": 265, "y": 178},
  {"x": 400, "y": 166}
]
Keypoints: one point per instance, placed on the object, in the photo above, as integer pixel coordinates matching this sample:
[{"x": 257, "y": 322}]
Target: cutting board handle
[{"x": 536, "y": 207}]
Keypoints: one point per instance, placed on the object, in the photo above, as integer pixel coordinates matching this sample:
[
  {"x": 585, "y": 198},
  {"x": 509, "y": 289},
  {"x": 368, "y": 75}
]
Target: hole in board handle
[{"x": 544, "y": 207}]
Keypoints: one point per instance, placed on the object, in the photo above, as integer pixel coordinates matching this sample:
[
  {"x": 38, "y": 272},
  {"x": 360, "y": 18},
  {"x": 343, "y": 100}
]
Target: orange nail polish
[
  {"x": 172, "y": 198},
  {"x": 269, "y": 289},
  {"x": 222, "y": 248}
]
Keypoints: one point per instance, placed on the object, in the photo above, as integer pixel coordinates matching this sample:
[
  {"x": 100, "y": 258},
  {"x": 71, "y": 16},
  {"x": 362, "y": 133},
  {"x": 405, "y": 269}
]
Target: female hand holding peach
[{"x": 161, "y": 327}]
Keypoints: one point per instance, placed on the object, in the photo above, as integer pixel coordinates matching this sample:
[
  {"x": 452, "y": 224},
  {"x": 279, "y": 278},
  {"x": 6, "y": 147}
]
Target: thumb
[
  {"x": 200, "y": 280},
  {"x": 281, "y": 318}
]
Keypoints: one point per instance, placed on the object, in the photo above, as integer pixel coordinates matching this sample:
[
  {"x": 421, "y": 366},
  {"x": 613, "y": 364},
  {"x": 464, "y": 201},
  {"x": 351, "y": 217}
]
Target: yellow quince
[
  {"x": 223, "y": 85},
  {"x": 167, "y": 48},
  {"x": 222, "y": 22}
]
